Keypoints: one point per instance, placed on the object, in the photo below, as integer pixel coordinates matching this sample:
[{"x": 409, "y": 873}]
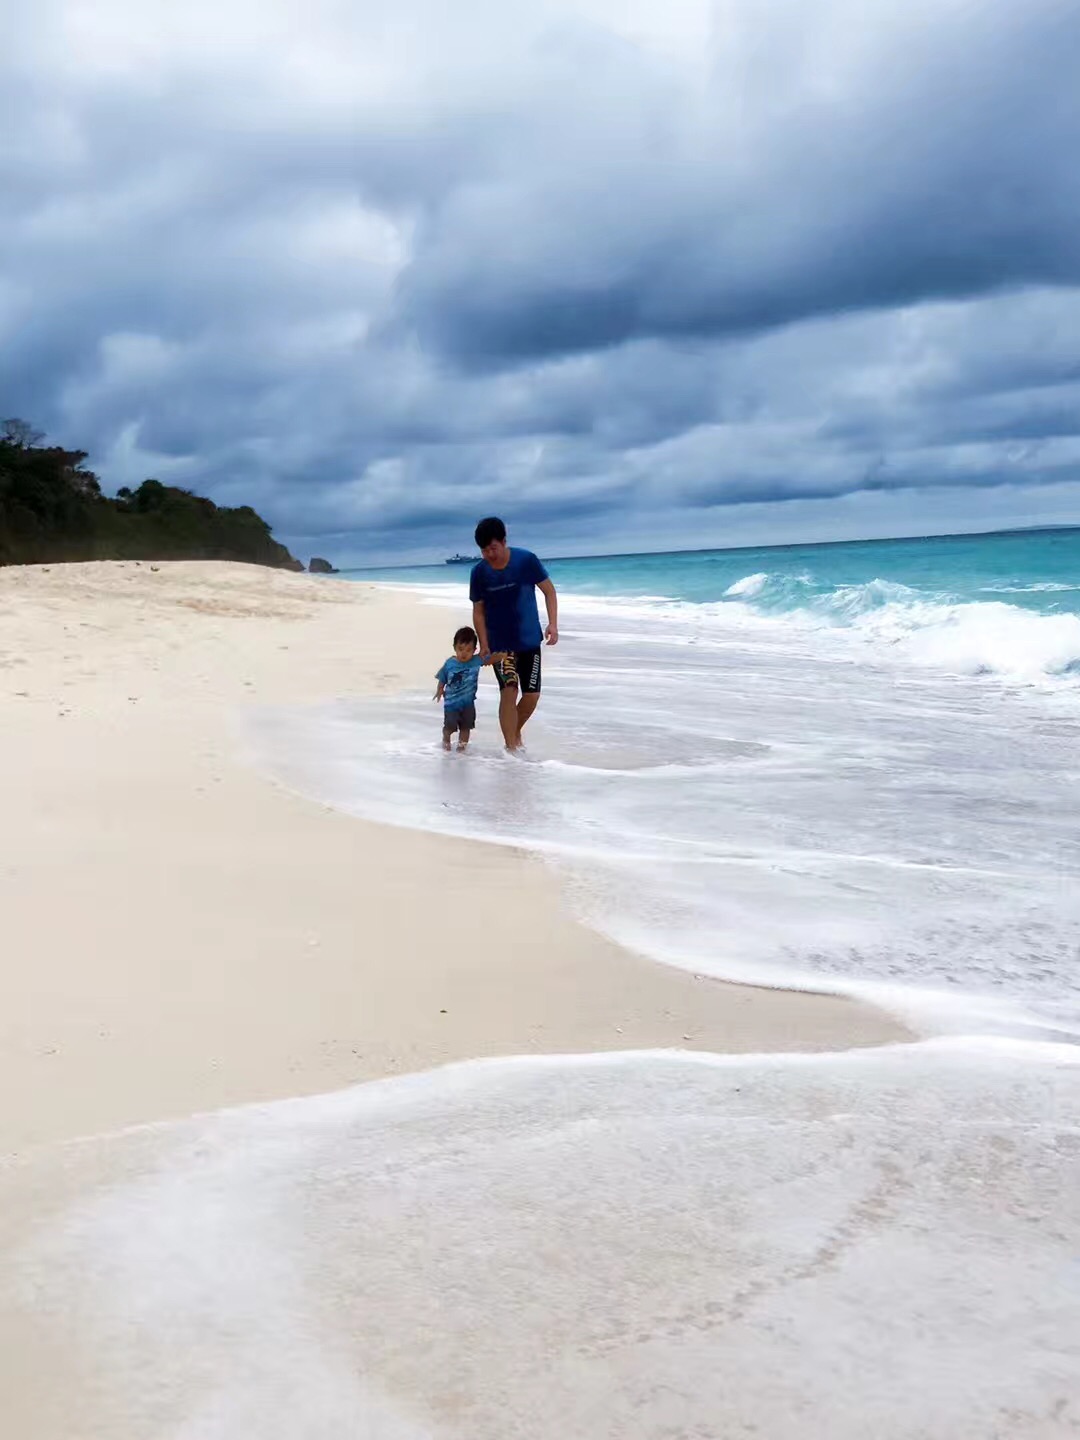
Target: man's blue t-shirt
[
  {"x": 459, "y": 679},
  {"x": 509, "y": 596}
]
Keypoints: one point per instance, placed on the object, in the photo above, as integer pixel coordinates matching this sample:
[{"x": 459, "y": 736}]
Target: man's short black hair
[
  {"x": 490, "y": 529},
  {"x": 466, "y": 635}
]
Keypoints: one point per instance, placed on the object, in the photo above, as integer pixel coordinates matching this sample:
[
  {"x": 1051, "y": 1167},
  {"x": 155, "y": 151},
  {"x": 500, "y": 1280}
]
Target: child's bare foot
[{"x": 446, "y": 743}]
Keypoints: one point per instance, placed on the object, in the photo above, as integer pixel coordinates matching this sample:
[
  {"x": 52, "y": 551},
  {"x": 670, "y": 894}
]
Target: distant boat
[{"x": 462, "y": 560}]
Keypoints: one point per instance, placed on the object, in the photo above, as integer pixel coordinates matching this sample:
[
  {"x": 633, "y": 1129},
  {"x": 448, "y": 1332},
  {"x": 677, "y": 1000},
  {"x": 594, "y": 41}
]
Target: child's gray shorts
[{"x": 463, "y": 718}]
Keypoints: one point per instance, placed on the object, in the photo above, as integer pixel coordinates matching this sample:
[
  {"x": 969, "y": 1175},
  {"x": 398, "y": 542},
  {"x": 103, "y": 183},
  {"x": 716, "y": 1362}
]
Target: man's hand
[{"x": 551, "y": 600}]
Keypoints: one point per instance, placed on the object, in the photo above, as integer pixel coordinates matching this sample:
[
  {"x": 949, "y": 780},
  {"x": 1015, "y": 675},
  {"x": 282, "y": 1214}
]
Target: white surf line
[{"x": 1062, "y": 1053}]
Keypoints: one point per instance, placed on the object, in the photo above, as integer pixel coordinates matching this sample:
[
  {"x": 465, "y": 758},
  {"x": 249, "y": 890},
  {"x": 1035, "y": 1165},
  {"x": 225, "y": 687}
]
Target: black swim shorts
[
  {"x": 520, "y": 669},
  {"x": 463, "y": 718}
]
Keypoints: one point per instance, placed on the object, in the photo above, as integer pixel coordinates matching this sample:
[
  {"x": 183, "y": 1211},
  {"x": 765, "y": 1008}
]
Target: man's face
[{"x": 496, "y": 553}]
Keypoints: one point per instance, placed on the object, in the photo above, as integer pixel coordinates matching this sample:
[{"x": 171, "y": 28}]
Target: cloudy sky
[{"x": 633, "y": 275}]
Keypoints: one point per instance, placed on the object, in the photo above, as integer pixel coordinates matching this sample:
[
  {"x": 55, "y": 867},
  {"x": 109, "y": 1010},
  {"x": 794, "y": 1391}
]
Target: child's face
[{"x": 465, "y": 650}]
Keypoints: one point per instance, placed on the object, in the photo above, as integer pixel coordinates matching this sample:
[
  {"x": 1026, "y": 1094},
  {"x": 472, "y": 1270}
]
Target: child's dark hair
[{"x": 466, "y": 636}]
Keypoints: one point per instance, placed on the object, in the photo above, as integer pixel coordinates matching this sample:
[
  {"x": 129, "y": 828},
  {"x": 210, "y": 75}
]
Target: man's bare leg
[
  {"x": 508, "y": 716},
  {"x": 525, "y": 707}
]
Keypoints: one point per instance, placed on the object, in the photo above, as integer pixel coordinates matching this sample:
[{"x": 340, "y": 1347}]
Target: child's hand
[{"x": 438, "y": 693}]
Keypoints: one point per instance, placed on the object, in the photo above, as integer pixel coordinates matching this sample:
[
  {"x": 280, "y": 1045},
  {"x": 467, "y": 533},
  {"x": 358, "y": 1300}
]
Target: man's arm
[
  {"x": 479, "y": 620},
  {"x": 551, "y": 600}
]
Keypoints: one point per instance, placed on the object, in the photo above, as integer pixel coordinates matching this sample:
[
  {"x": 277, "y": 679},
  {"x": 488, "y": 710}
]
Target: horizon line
[{"x": 731, "y": 549}]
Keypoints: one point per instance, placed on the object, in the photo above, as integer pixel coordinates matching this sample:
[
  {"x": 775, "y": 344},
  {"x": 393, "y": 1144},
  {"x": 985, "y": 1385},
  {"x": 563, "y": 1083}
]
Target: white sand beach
[
  {"x": 535, "y": 1247},
  {"x": 182, "y": 934}
]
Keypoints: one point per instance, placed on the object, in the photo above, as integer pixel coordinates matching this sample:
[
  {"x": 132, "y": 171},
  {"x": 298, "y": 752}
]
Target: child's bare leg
[
  {"x": 463, "y": 740},
  {"x": 447, "y": 735}
]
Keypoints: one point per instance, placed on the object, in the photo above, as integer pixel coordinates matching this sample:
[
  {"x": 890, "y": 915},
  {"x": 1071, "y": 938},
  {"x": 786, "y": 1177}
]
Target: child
[{"x": 458, "y": 679}]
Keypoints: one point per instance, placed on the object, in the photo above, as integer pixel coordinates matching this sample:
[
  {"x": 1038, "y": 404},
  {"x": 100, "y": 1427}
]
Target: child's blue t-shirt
[{"x": 459, "y": 679}]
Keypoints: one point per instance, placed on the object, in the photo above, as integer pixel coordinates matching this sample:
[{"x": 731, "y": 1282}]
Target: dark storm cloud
[
  {"x": 948, "y": 172},
  {"x": 595, "y": 265}
]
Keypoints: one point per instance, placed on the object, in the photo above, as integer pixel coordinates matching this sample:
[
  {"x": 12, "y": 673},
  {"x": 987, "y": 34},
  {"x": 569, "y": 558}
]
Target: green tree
[{"x": 52, "y": 509}]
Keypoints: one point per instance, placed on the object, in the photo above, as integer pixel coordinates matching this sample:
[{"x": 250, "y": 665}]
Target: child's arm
[
  {"x": 496, "y": 658},
  {"x": 440, "y": 676}
]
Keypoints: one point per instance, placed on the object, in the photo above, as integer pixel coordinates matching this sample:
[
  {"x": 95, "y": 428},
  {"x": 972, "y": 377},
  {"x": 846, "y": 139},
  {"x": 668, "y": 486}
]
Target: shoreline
[{"x": 186, "y": 934}]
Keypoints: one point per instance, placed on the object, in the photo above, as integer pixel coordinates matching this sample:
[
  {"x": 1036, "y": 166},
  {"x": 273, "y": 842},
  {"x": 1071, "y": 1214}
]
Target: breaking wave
[{"x": 987, "y": 637}]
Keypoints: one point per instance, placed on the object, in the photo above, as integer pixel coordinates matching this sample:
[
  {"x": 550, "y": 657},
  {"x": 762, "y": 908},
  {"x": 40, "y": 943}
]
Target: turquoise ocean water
[
  {"x": 853, "y": 767},
  {"x": 1037, "y": 570}
]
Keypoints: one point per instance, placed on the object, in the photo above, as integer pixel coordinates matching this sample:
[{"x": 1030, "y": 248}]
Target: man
[{"x": 503, "y": 590}]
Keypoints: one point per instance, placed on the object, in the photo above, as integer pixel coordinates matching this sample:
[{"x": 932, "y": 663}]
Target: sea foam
[
  {"x": 748, "y": 585},
  {"x": 902, "y": 625},
  {"x": 881, "y": 1243},
  {"x": 978, "y": 639}
]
